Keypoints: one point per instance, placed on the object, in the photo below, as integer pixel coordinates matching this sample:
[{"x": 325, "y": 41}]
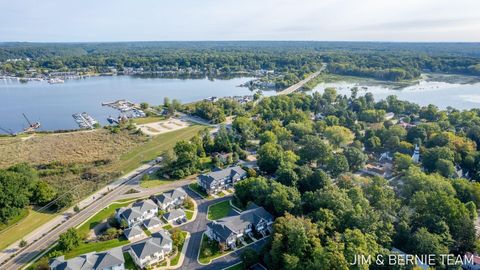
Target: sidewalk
[{"x": 62, "y": 217}]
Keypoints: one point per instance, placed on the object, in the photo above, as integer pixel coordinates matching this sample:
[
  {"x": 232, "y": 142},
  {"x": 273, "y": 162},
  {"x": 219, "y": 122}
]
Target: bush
[{"x": 23, "y": 243}]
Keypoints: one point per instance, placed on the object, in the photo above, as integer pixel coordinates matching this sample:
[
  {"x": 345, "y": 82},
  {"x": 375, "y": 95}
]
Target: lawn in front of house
[
  {"x": 209, "y": 250},
  {"x": 174, "y": 260},
  {"x": 96, "y": 246},
  {"x": 197, "y": 189},
  {"x": 129, "y": 263},
  {"x": 219, "y": 210},
  {"x": 189, "y": 214}
]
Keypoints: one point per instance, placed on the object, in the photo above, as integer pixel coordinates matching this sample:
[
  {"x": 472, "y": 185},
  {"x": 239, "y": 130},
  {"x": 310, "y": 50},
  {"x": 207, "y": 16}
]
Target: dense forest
[
  {"x": 292, "y": 60},
  {"x": 311, "y": 149}
]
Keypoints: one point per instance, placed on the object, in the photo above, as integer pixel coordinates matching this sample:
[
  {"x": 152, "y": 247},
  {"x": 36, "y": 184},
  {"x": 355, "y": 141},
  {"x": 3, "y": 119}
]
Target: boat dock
[
  {"x": 84, "y": 120},
  {"x": 127, "y": 108}
]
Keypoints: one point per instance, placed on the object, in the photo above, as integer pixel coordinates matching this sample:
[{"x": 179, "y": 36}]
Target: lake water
[
  {"x": 441, "y": 94},
  {"x": 54, "y": 104}
]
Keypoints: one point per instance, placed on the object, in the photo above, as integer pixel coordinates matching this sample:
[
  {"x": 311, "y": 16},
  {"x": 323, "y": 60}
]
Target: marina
[
  {"x": 54, "y": 104},
  {"x": 84, "y": 120}
]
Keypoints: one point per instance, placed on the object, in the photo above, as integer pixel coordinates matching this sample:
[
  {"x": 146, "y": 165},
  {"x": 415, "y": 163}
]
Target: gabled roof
[
  {"x": 110, "y": 258},
  {"x": 226, "y": 226},
  {"x": 152, "y": 245},
  {"x": 90, "y": 261},
  {"x": 130, "y": 213},
  {"x": 133, "y": 231},
  {"x": 171, "y": 195},
  {"x": 137, "y": 210},
  {"x": 218, "y": 175},
  {"x": 152, "y": 222},
  {"x": 145, "y": 205},
  {"x": 174, "y": 214},
  {"x": 162, "y": 238}
]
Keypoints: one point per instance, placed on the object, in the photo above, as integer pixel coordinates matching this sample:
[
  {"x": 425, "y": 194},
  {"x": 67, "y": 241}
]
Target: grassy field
[
  {"x": 73, "y": 147},
  {"x": 154, "y": 147},
  {"x": 148, "y": 120},
  {"x": 151, "y": 183},
  {"x": 219, "y": 210},
  {"x": 27, "y": 224}
]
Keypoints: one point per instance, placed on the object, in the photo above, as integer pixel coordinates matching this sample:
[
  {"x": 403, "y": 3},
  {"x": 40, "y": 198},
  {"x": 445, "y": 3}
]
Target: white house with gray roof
[
  {"x": 134, "y": 233},
  {"x": 137, "y": 213},
  {"x": 107, "y": 260},
  {"x": 227, "y": 230},
  {"x": 171, "y": 199},
  {"x": 152, "y": 250},
  {"x": 217, "y": 181},
  {"x": 175, "y": 215}
]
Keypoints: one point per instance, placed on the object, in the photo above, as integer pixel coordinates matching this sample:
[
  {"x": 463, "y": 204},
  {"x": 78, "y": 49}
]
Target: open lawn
[
  {"x": 154, "y": 147},
  {"x": 96, "y": 246},
  {"x": 219, "y": 210},
  {"x": 197, "y": 189},
  {"x": 100, "y": 216},
  {"x": 208, "y": 250},
  {"x": 147, "y": 120},
  {"x": 151, "y": 183},
  {"x": 29, "y": 221}
]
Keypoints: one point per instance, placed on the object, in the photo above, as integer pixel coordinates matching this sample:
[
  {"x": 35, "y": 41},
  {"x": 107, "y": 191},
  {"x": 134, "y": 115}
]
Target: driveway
[{"x": 198, "y": 227}]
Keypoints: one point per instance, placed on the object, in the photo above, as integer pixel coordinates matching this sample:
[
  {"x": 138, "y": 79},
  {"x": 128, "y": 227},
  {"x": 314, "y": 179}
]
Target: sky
[{"x": 160, "y": 20}]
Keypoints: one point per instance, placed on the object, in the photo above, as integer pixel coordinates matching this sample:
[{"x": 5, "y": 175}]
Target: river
[
  {"x": 54, "y": 104},
  {"x": 441, "y": 94}
]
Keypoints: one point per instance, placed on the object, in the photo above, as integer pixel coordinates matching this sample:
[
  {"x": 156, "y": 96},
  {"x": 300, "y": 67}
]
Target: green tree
[
  {"x": 339, "y": 136},
  {"x": 69, "y": 240}
]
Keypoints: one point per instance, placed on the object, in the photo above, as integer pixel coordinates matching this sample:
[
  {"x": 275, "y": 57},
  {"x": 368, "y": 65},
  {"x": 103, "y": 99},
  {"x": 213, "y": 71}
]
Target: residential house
[
  {"x": 228, "y": 230},
  {"x": 153, "y": 223},
  {"x": 171, "y": 199},
  {"x": 134, "y": 233},
  {"x": 175, "y": 215},
  {"x": 107, "y": 260},
  {"x": 153, "y": 250},
  {"x": 217, "y": 181},
  {"x": 139, "y": 212}
]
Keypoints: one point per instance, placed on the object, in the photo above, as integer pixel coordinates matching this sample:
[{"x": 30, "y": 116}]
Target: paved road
[
  {"x": 299, "y": 85},
  {"x": 49, "y": 238},
  {"x": 196, "y": 229}
]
